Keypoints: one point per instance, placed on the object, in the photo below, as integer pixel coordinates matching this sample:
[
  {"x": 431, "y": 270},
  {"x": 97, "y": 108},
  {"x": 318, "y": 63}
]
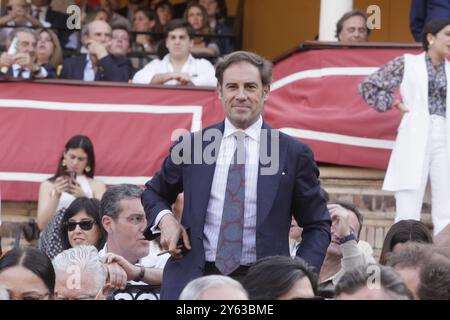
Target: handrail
[{"x": 317, "y": 45}]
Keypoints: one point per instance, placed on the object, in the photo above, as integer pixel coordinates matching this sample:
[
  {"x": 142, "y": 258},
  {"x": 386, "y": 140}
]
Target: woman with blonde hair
[
  {"x": 48, "y": 50},
  {"x": 197, "y": 17}
]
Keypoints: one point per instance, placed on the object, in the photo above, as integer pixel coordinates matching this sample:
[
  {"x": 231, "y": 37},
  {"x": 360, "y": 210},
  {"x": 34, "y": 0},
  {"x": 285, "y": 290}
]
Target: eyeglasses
[
  {"x": 85, "y": 225},
  {"x": 134, "y": 218}
]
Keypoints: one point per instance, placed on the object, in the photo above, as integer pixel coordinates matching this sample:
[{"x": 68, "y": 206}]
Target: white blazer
[{"x": 406, "y": 163}]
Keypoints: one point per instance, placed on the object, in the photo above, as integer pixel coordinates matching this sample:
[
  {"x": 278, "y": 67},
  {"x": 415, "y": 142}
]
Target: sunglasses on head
[{"x": 85, "y": 225}]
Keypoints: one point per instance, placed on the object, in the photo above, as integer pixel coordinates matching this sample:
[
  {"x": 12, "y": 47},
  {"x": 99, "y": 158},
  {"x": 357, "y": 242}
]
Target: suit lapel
[
  {"x": 267, "y": 187},
  {"x": 79, "y": 71}
]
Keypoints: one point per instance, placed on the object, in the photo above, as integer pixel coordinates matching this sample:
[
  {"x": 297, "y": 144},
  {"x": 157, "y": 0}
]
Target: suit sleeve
[
  {"x": 118, "y": 69},
  {"x": 161, "y": 191},
  {"x": 417, "y": 18},
  {"x": 65, "y": 71},
  {"x": 51, "y": 71},
  {"x": 310, "y": 211}
]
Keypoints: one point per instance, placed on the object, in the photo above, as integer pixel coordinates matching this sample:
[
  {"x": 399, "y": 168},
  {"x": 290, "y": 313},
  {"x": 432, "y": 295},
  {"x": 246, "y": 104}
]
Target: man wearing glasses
[{"x": 123, "y": 219}]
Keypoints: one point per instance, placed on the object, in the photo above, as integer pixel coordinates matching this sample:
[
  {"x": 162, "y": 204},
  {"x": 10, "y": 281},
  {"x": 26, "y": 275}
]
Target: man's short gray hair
[
  {"x": 110, "y": 203},
  {"x": 86, "y": 258},
  {"x": 14, "y": 33},
  {"x": 195, "y": 289}
]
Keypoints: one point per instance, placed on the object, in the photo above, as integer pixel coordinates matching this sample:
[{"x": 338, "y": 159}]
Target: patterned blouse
[{"x": 378, "y": 89}]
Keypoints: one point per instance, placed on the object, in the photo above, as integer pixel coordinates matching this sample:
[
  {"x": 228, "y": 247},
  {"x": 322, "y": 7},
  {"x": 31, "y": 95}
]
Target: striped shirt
[{"x": 217, "y": 196}]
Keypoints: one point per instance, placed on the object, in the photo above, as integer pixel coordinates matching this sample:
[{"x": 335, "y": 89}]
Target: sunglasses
[{"x": 85, "y": 225}]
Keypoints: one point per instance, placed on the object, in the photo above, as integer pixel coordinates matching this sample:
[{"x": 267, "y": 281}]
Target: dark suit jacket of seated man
[
  {"x": 294, "y": 189},
  {"x": 110, "y": 68},
  {"x": 96, "y": 38}
]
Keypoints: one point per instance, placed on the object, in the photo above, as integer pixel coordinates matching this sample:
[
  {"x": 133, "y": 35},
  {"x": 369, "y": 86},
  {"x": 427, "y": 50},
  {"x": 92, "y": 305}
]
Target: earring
[
  {"x": 87, "y": 169},
  {"x": 63, "y": 163},
  {"x": 431, "y": 43}
]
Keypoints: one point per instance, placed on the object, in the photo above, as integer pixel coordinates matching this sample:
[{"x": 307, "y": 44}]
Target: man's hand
[
  {"x": 340, "y": 219},
  {"x": 6, "y": 60},
  {"x": 182, "y": 78},
  {"x": 97, "y": 49},
  {"x": 171, "y": 232},
  {"x": 25, "y": 61},
  {"x": 116, "y": 276},
  {"x": 131, "y": 271}
]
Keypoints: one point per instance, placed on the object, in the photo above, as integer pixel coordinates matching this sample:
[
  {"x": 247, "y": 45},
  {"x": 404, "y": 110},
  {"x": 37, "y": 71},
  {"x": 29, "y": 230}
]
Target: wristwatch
[{"x": 349, "y": 237}]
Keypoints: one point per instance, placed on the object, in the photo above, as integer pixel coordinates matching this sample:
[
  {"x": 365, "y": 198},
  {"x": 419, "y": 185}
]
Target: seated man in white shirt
[
  {"x": 123, "y": 219},
  {"x": 178, "y": 67}
]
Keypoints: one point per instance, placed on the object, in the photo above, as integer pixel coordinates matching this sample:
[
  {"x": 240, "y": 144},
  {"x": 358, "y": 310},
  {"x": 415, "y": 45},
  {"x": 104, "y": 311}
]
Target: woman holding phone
[{"x": 74, "y": 178}]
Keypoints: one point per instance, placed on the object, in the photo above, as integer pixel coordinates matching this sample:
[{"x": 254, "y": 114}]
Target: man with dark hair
[
  {"x": 123, "y": 220},
  {"x": 238, "y": 201},
  {"x": 178, "y": 67},
  {"x": 352, "y": 27},
  {"x": 345, "y": 250}
]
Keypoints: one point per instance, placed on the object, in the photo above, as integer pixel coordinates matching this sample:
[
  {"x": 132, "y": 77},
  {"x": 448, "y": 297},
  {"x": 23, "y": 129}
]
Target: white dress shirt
[
  {"x": 26, "y": 74},
  {"x": 42, "y": 15},
  {"x": 201, "y": 71},
  {"x": 89, "y": 72},
  {"x": 217, "y": 197},
  {"x": 218, "y": 188}
]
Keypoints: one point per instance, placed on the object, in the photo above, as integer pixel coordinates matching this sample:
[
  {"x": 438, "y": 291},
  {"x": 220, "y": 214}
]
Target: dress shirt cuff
[
  {"x": 42, "y": 73},
  {"x": 155, "y": 228}
]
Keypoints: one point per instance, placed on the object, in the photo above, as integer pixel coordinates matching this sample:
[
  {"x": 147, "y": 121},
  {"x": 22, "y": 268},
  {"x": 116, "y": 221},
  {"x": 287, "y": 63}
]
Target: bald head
[{"x": 99, "y": 31}]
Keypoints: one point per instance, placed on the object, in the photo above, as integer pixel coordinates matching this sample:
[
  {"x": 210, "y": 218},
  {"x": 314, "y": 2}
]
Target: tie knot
[{"x": 239, "y": 155}]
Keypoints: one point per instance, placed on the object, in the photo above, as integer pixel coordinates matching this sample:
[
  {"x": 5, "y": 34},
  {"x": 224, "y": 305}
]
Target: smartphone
[{"x": 71, "y": 176}]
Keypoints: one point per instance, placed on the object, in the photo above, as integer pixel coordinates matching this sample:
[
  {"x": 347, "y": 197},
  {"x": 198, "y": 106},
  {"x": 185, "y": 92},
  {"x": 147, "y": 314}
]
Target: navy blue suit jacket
[
  {"x": 422, "y": 11},
  {"x": 58, "y": 20},
  {"x": 294, "y": 189},
  {"x": 110, "y": 68}
]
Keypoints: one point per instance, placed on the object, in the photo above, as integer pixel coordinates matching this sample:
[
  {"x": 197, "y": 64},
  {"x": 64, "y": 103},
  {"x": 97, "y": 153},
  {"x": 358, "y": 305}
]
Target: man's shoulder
[
  {"x": 203, "y": 62},
  {"x": 293, "y": 142}
]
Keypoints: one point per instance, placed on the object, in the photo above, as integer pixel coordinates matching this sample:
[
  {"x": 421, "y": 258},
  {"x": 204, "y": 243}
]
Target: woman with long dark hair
[{"x": 74, "y": 178}]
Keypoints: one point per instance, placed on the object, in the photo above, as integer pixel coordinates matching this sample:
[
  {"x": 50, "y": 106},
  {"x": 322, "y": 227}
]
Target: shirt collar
[{"x": 254, "y": 131}]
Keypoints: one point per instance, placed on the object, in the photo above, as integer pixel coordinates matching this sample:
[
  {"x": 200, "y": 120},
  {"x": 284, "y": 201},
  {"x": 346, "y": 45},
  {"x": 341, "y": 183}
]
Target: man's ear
[
  {"x": 219, "y": 92},
  {"x": 266, "y": 91},
  {"x": 106, "y": 222}
]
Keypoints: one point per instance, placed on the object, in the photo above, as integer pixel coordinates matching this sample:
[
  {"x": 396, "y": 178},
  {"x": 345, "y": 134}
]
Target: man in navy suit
[
  {"x": 423, "y": 11},
  {"x": 49, "y": 18},
  {"x": 98, "y": 63},
  {"x": 275, "y": 188},
  {"x": 22, "y": 64}
]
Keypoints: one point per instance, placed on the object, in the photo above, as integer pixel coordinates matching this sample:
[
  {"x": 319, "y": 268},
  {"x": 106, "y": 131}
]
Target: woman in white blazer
[{"x": 421, "y": 149}]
